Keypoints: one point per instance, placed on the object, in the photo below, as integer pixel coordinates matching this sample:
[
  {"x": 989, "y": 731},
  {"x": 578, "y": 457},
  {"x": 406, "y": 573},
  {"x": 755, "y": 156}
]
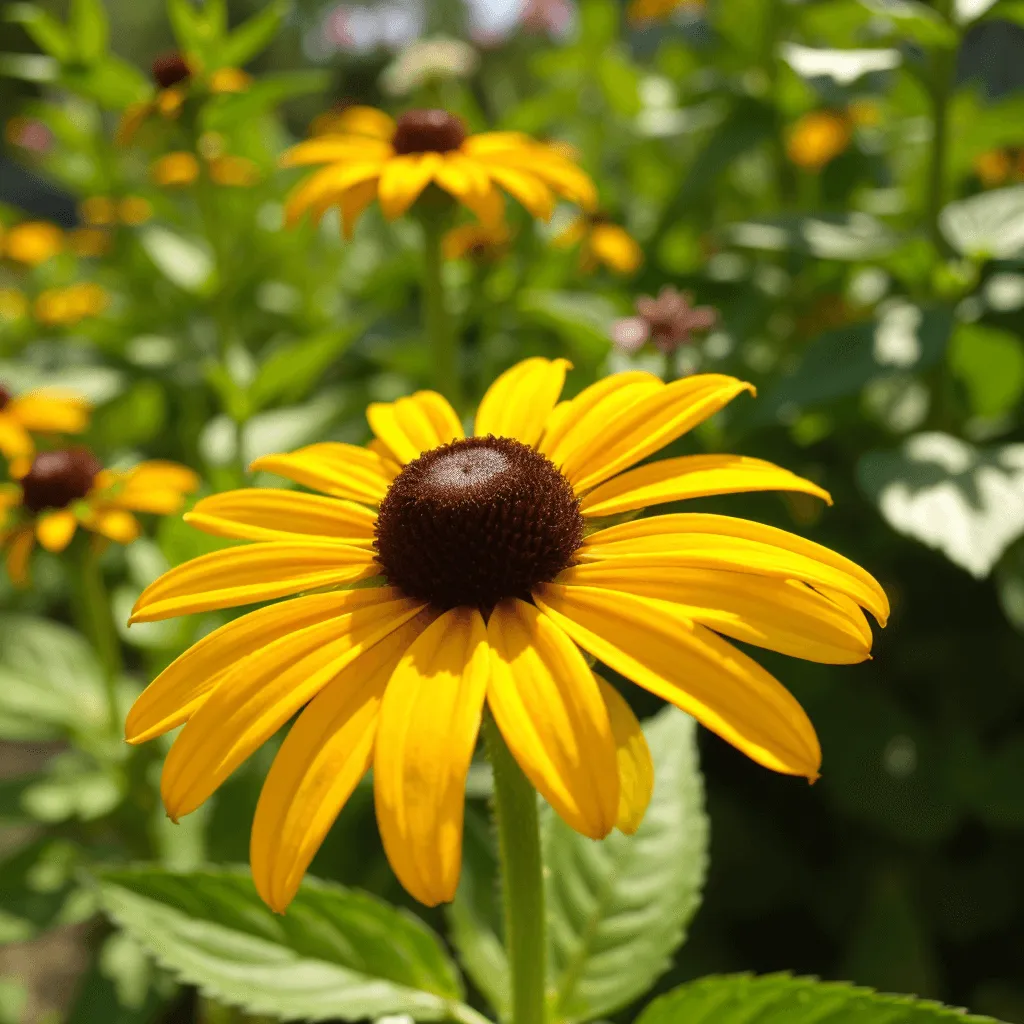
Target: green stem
[
  {"x": 515, "y": 813},
  {"x": 670, "y": 357},
  {"x": 96, "y": 623},
  {"x": 444, "y": 341}
]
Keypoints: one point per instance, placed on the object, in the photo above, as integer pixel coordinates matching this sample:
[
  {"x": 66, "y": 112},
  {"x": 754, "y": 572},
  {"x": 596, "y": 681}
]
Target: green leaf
[
  {"x": 854, "y": 236},
  {"x": 986, "y": 226},
  {"x": 1005, "y": 10},
  {"x": 29, "y": 67},
  {"x": 782, "y": 999},
  {"x": 844, "y": 67},
  {"x": 337, "y": 953},
  {"x": 185, "y": 263},
  {"x": 290, "y": 371},
  {"x": 990, "y": 364},
  {"x": 965, "y": 501},
  {"x": 89, "y": 29},
  {"x": 13, "y": 997},
  {"x": 50, "y": 681},
  {"x": 583, "y": 320},
  {"x": 113, "y": 83},
  {"x": 269, "y": 92},
  {"x": 915, "y": 21},
  {"x": 35, "y": 882},
  {"x": 45, "y": 30},
  {"x": 619, "y": 908},
  {"x": 119, "y": 987},
  {"x": 188, "y": 27},
  {"x": 254, "y": 35}
]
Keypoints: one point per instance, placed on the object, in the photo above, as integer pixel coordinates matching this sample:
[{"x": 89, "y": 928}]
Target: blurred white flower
[
  {"x": 426, "y": 61},
  {"x": 362, "y": 28}
]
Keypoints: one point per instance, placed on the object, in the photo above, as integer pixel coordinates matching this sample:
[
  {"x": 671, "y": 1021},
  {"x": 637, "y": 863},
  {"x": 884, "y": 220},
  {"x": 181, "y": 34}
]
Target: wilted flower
[
  {"x": 669, "y": 321},
  {"x": 427, "y": 61},
  {"x": 32, "y": 242},
  {"x": 818, "y": 138},
  {"x": 602, "y": 241}
]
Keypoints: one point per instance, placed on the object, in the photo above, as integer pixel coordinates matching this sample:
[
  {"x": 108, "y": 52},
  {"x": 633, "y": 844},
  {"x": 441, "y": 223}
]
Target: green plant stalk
[
  {"x": 95, "y": 621},
  {"x": 522, "y": 880},
  {"x": 437, "y": 320}
]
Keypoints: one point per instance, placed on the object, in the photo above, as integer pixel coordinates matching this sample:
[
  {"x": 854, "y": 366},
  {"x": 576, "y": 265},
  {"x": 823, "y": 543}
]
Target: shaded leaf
[
  {"x": 45, "y": 30},
  {"x": 254, "y": 35},
  {"x": 990, "y": 364}
]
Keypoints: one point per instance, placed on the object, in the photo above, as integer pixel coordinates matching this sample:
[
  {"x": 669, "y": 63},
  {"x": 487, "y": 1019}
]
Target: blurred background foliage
[{"x": 841, "y": 179}]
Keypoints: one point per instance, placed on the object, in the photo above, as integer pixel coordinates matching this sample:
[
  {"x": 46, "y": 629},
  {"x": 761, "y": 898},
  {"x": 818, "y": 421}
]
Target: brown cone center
[
  {"x": 59, "y": 478},
  {"x": 170, "y": 68},
  {"x": 5, "y": 397},
  {"x": 428, "y": 131}
]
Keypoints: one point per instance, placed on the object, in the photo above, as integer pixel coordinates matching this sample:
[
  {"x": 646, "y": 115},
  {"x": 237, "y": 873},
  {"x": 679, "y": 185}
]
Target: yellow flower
[
  {"x": 33, "y": 242},
  {"x": 134, "y": 210},
  {"x": 98, "y": 211},
  {"x": 13, "y": 305},
  {"x": 482, "y": 242},
  {"x": 227, "y": 80},
  {"x": 602, "y": 242},
  {"x": 396, "y": 163},
  {"x": 69, "y": 487},
  {"x": 89, "y": 242},
  {"x": 233, "y": 171},
  {"x": 486, "y": 564},
  {"x": 65, "y": 307},
  {"x": 47, "y": 411},
  {"x": 175, "y": 170},
  {"x": 353, "y": 119},
  {"x": 993, "y": 168},
  {"x": 656, "y": 10},
  {"x": 818, "y": 138}
]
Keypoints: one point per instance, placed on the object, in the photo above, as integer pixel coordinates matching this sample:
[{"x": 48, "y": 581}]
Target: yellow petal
[
  {"x": 342, "y": 470},
  {"x": 701, "y": 540},
  {"x": 520, "y": 401},
  {"x": 549, "y": 709},
  {"x": 529, "y": 190},
  {"x": 692, "y": 476},
  {"x": 644, "y": 426},
  {"x": 50, "y": 412},
  {"x": 19, "y": 551},
  {"x": 326, "y": 187},
  {"x": 181, "y": 688},
  {"x": 256, "y": 697},
  {"x": 616, "y": 248},
  {"x": 157, "y": 487},
  {"x": 55, "y": 529},
  {"x": 689, "y": 666},
  {"x": 414, "y": 425},
  {"x": 115, "y": 524},
  {"x": 330, "y": 149},
  {"x": 328, "y": 750},
  {"x": 636, "y": 768},
  {"x": 15, "y": 442},
  {"x": 574, "y": 422},
  {"x": 367, "y": 121},
  {"x": 403, "y": 179},
  {"x": 469, "y": 182},
  {"x": 353, "y": 203},
  {"x": 778, "y": 614},
  {"x": 246, "y": 575},
  {"x": 267, "y": 513},
  {"x": 429, "y": 720}
]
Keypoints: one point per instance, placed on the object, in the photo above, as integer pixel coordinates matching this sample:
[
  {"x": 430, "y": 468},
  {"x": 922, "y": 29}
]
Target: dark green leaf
[
  {"x": 990, "y": 364},
  {"x": 782, "y": 999},
  {"x": 46, "y": 32},
  {"x": 35, "y": 882},
  {"x": 119, "y": 987},
  {"x": 619, "y": 908},
  {"x": 254, "y": 35},
  {"x": 336, "y": 953}
]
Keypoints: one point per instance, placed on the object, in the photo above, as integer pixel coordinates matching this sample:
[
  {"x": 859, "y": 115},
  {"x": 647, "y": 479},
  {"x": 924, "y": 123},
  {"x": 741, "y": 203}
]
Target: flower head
[
  {"x": 68, "y": 487},
  {"x": 668, "y": 320},
  {"x": 818, "y": 138},
  {"x": 33, "y": 242},
  {"x": 487, "y": 568},
  {"x": 394, "y": 161},
  {"x": 36, "y": 412},
  {"x": 65, "y": 307},
  {"x": 602, "y": 241}
]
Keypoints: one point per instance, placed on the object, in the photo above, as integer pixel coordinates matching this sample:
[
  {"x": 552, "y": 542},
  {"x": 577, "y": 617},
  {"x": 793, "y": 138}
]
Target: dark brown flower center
[
  {"x": 58, "y": 478},
  {"x": 5, "y": 397},
  {"x": 476, "y": 521},
  {"x": 428, "y": 131},
  {"x": 170, "y": 68}
]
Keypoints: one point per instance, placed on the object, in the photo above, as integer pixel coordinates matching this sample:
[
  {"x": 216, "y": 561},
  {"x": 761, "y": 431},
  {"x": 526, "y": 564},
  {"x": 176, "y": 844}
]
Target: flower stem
[
  {"x": 96, "y": 623},
  {"x": 522, "y": 878},
  {"x": 444, "y": 341}
]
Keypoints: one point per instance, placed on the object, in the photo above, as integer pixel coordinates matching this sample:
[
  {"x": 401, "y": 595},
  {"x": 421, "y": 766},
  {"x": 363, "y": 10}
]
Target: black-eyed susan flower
[
  {"x": 68, "y": 487},
  {"x": 818, "y": 138},
  {"x": 487, "y": 571},
  {"x": 36, "y": 412},
  {"x": 181, "y": 169},
  {"x": 33, "y": 242},
  {"x": 401, "y": 158},
  {"x": 347, "y": 118},
  {"x": 602, "y": 241},
  {"x": 484, "y": 243}
]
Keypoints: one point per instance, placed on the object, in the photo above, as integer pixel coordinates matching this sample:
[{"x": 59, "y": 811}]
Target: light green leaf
[
  {"x": 782, "y": 999},
  {"x": 13, "y": 997},
  {"x": 336, "y": 954},
  {"x": 45, "y": 30},
  {"x": 583, "y": 320},
  {"x": 986, "y": 226},
  {"x": 965, "y": 501},
  {"x": 855, "y": 236},
  {"x": 266, "y": 94},
  {"x": 619, "y": 908},
  {"x": 291, "y": 369},
  {"x": 89, "y": 29},
  {"x": 915, "y": 21},
  {"x": 844, "y": 67},
  {"x": 254, "y": 35},
  {"x": 113, "y": 83},
  {"x": 990, "y": 364},
  {"x": 29, "y": 67},
  {"x": 186, "y": 263},
  {"x": 188, "y": 26},
  {"x": 35, "y": 883},
  {"x": 1005, "y": 10}
]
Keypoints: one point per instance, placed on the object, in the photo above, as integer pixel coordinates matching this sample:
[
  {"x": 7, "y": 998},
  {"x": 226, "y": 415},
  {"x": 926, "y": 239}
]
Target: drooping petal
[
  {"x": 414, "y": 425},
  {"x": 330, "y": 149},
  {"x": 429, "y": 721},
  {"x": 616, "y": 248},
  {"x": 50, "y": 412},
  {"x": 327, "y": 186},
  {"x": 342, "y": 470},
  {"x": 644, "y": 426},
  {"x": 403, "y": 179},
  {"x": 246, "y": 575},
  {"x": 692, "y": 476},
  {"x": 259, "y": 694},
  {"x": 529, "y": 190},
  {"x": 114, "y": 523},
  {"x": 328, "y": 750},
  {"x": 549, "y": 709},
  {"x": 15, "y": 441},
  {"x": 636, "y": 768},
  {"x": 468, "y": 182},
  {"x": 269, "y": 513},
  {"x": 352, "y": 204},
  {"x": 689, "y": 666},
  {"x": 701, "y": 540},
  {"x": 55, "y": 529},
  {"x": 19, "y": 551},
  {"x": 181, "y": 688},
  {"x": 520, "y": 401}
]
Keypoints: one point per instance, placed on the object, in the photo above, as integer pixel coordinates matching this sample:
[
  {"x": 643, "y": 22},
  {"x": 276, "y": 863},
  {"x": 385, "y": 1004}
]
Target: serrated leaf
[
  {"x": 619, "y": 908},
  {"x": 986, "y": 226},
  {"x": 782, "y": 999},
  {"x": 45, "y": 30},
  {"x": 254, "y": 35},
  {"x": 337, "y": 953},
  {"x": 965, "y": 501}
]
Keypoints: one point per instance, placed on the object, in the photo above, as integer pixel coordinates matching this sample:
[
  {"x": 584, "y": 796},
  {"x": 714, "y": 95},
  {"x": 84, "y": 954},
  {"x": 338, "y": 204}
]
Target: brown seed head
[
  {"x": 170, "y": 68},
  {"x": 5, "y": 397},
  {"x": 428, "y": 131},
  {"x": 59, "y": 478}
]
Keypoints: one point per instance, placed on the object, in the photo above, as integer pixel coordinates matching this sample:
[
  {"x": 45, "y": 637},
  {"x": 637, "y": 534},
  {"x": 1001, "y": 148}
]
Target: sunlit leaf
[
  {"x": 989, "y": 225},
  {"x": 854, "y": 236},
  {"x": 844, "y": 67},
  {"x": 184, "y": 262},
  {"x": 88, "y": 27},
  {"x": 254, "y": 35}
]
